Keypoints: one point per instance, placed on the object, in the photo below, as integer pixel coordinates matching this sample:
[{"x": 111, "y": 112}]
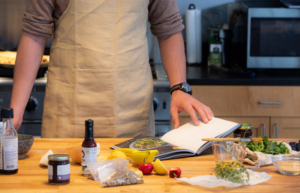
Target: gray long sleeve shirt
[{"x": 40, "y": 17}]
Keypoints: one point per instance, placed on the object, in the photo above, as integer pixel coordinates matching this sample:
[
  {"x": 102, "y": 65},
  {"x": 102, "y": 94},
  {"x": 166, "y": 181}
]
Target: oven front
[
  {"x": 32, "y": 119},
  {"x": 161, "y": 100}
]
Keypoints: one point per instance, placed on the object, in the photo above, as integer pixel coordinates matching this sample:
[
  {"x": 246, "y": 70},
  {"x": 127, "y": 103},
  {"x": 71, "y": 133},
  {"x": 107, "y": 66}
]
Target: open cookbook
[{"x": 184, "y": 141}]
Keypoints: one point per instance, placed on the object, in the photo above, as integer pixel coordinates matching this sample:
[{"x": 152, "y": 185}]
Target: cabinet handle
[
  {"x": 276, "y": 130},
  {"x": 269, "y": 103}
]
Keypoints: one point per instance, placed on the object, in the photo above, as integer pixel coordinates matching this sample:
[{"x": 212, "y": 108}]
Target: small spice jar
[
  {"x": 59, "y": 169},
  {"x": 240, "y": 132}
]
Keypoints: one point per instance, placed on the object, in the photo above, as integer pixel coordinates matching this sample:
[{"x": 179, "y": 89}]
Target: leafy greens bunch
[{"x": 268, "y": 147}]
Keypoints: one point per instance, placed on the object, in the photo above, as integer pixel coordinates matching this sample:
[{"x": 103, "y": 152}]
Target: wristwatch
[{"x": 185, "y": 87}]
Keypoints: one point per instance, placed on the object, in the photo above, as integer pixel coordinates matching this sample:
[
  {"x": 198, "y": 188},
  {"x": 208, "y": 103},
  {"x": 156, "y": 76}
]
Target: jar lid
[
  {"x": 245, "y": 126},
  {"x": 7, "y": 113},
  {"x": 58, "y": 157}
]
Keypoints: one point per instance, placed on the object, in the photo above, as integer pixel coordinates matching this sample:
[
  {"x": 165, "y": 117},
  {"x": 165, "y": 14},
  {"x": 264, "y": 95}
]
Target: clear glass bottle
[
  {"x": 1, "y": 123},
  {"x": 8, "y": 144},
  {"x": 1, "y": 126},
  {"x": 216, "y": 50}
]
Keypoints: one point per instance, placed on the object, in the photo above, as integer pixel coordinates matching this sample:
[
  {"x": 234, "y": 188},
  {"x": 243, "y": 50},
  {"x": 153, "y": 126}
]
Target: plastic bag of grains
[{"x": 113, "y": 172}]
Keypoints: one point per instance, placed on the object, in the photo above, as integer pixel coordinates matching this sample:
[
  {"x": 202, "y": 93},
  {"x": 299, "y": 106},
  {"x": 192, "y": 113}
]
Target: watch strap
[{"x": 179, "y": 87}]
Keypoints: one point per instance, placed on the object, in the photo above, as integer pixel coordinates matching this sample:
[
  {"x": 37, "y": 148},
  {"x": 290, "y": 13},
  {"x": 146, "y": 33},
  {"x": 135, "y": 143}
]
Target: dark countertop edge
[{"x": 243, "y": 82}]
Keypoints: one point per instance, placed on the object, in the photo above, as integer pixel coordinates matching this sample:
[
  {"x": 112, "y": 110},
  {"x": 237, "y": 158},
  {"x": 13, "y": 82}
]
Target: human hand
[
  {"x": 183, "y": 101},
  {"x": 17, "y": 121}
]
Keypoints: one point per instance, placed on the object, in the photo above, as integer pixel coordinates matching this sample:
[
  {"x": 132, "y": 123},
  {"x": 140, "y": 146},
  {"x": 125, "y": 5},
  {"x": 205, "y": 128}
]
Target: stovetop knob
[
  {"x": 32, "y": 104},
  {"x": 155, "y": 103}
]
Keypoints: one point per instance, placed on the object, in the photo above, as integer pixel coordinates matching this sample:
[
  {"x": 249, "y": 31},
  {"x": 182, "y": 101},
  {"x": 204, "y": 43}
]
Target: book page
[{"x": 189, "y": 136}]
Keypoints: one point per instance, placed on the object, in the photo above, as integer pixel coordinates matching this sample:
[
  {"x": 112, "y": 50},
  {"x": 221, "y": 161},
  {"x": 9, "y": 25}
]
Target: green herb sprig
[{"x": 231, "y": 171}]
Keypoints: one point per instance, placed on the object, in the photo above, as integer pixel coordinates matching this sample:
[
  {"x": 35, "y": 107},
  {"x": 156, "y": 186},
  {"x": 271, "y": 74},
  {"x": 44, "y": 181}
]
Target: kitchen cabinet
[
  {"x": 256, "y": 105},
  {"x": 288, "y": 127}
]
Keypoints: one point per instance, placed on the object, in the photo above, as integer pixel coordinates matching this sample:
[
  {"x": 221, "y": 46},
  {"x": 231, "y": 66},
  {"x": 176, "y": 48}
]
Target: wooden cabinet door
[
  {"x": 223, "y": 100},
  {"x": 275, "y": 101},
  {"x": 288, "y": 127},
  {"x": 259, "y": 123},
  {"x": 250, "y": 101}
]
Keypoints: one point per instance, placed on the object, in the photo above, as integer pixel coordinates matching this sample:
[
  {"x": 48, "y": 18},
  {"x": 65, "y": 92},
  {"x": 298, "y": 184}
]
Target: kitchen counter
[
  {"x": 197, "y": 75},
  {"x": 34, "y": 178}
]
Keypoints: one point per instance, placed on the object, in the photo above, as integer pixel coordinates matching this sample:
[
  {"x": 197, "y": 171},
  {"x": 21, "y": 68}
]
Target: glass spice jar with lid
[
  {"x": 59, "y": 169},
  {"x": 244, "y": 131}
]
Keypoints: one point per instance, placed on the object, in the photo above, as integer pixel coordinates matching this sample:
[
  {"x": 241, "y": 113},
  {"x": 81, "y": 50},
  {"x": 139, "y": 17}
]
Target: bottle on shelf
[
  {"x": 89, "y": 146},
  {"x": 1, "y": 123},
  {"x": 215, "y": 50},
  {"x": 8, "y": 144}
]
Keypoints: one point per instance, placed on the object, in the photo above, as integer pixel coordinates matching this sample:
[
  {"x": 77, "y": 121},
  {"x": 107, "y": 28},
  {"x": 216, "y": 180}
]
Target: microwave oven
[{"x": 273, "y": 38}]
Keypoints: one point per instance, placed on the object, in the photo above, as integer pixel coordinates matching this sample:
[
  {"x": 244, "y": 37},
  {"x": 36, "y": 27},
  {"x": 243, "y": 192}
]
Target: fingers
[
  {"x": 210, "y": 112},
  {"x": 207, "y": 112},
  {"x": 17, "y": 123},
  {"x": 175, "y": 117},
  {"x": 182, "y": 101},
  {"x": 202, "y": 112},
  {"x": 190, "y": 110}
]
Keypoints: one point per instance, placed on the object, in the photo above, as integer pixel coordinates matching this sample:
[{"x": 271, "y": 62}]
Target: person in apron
[{"x": 99, "y": 69}]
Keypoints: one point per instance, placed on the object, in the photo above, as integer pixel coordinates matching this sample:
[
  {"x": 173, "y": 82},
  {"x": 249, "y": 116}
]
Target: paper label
[
  {"x": 84, "y": 171},
  {"x": 216, "y": 48},
  {"x": 50, "y": 172},
  {"x": 89, "y": 155},
  {"x": 10, "y": 154},
  {"x": 63, "y": 172}
]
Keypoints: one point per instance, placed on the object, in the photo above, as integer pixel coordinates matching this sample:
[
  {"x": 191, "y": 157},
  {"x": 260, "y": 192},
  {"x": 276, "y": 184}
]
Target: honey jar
[
  {"x": 59, "y": 169},
  {"x": 244, "y": 131}
]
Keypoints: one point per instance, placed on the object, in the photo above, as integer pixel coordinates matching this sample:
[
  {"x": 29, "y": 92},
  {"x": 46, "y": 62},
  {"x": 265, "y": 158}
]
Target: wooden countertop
[{"x": 34, "y": 179}]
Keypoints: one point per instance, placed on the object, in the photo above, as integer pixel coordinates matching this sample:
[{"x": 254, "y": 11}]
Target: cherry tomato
[
  {"x": 146, "y": 168},
  {"x": 175, "y": 172}
]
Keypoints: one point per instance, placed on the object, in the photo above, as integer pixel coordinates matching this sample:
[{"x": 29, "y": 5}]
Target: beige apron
[{"x": 99, "y": 70}]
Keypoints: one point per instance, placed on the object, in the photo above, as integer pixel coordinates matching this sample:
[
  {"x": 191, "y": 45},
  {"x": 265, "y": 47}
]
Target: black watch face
[{"x": 186, "y": 87}]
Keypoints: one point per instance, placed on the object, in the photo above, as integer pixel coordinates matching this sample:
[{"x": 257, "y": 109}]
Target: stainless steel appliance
[
  {"x": 32, "y": 119},
  {"x": 273, "y": 37},
  {"x": 161, "y": 100},
  {"x": 291, "y": 3}
]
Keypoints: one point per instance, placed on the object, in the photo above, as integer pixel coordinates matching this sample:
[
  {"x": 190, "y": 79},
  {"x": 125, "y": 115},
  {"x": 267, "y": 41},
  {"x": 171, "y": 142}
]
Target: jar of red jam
[
  {"x": 59, "y": 169},
  {"x": 244, "y": 131}
]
